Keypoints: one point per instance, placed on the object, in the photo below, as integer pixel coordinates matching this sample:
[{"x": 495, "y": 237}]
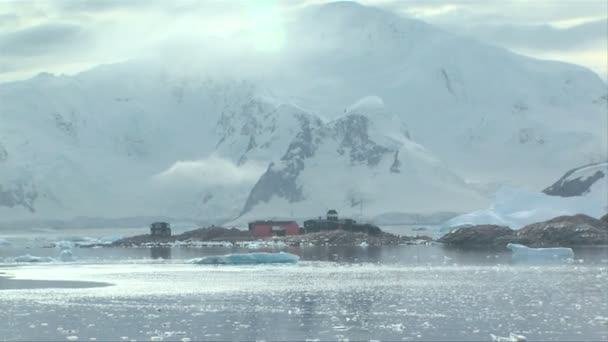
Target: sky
[{"x": 69, "y": 36}]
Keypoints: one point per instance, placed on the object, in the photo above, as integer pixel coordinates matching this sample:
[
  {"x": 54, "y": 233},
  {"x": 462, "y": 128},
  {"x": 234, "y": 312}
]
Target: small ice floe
[
  {"x": 247, "y": 259},
  {"x": 31, "y": 258},
  {"x": 262, "y": 244},
  {"x": 190, "y": 243},
  {"x": 512, "y": 338},
  {"x": 363, "y": 244},
  {"x": 525, "y": 254}
]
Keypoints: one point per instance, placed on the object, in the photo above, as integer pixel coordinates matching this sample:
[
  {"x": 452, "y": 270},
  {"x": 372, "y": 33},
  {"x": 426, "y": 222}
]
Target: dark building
[
  {"x": 262, "y": 229},
  {"x": 160, "y": 229},
  {"x": 332, "y": 222}
]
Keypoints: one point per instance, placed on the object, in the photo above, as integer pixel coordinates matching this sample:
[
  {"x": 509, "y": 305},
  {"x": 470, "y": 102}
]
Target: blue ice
[
  {"x": 525, "y": 254},
  {"x": 248, "y": 259}
]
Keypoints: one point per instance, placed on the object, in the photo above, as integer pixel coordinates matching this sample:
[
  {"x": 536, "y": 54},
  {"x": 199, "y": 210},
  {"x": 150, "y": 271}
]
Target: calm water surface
[{"x": 355, "y": 293}]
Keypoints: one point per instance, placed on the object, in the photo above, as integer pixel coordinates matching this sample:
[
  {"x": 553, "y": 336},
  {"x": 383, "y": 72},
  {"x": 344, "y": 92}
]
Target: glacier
[
  {"x": 516, "y": 208},
  {"x": 248, "y": 259}
]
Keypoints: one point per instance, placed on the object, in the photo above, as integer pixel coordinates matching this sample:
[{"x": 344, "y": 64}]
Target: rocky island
[{"x": 563, "y": 231}]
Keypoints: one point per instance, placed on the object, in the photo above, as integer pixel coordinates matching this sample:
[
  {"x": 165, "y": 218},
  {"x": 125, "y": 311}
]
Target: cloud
[
  {"x": 543, "y": 37},
  {"x": 212, "y": 171},
  {"x": 74, "y": 35},
  {"x": 41, "y": 39}
]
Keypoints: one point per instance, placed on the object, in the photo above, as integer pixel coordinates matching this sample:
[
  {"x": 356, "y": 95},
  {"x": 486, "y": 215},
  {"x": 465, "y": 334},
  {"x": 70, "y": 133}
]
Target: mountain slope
[
  {"x": 148, "y": 138},
  {"x": 363, "y": 161},
  {"x": 480, "y": 108}
]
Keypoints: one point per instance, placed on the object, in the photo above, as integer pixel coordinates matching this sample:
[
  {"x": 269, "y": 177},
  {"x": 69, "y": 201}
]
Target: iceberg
[
  {"x": 525, "y": 254},
  {"x": 247, "y": 259}
]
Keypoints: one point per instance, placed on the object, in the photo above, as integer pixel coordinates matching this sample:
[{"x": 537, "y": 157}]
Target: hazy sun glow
[{"x": 266, "y": 25}]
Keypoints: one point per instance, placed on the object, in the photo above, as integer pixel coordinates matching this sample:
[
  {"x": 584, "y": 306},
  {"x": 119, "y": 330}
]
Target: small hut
[{"x": 160, "y": 229}]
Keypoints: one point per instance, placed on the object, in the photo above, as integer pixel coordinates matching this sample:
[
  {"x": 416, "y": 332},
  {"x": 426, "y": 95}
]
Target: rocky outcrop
[
  {"x": 234, "y": 235},
  {"x": 605, "y": 218},
  {"x": 201, "y": 234},
  {"x": 579, "y": 181},
  {"x": 564, "y": 231},
  {"x": 491, "y": 237}
]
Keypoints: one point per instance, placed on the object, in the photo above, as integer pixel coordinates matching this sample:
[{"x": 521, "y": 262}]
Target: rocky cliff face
[{"x": 362, "y": 159}]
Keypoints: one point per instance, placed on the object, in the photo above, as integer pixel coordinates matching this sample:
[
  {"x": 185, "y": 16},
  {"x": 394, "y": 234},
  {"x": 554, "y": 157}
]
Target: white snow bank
[
  {"x": 517, "y": 208},
  {"x": 247, "y": 259},
  {"x": 522, "y": 253}
]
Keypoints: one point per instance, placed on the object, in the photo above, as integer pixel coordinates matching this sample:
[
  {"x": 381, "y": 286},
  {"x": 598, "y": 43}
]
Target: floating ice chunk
[
  {"x": 31, "y": 258},
  {"x": 363, "y": 244},
  {"x": 512, "y": 338},
  {"x": 248, "y": 259},
  {"x": 66, "y": 255},
  {"x": 522, "y": 253}
]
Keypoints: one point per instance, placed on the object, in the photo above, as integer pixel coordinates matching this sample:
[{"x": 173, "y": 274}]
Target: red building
[{"x": 262, "y": 229}]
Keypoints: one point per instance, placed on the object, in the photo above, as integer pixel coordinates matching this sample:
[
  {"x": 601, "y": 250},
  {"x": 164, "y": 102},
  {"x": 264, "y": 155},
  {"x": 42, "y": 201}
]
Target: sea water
[{"x": 332, "y": 293}]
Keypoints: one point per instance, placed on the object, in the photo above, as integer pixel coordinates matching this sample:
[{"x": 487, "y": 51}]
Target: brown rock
[
  {"x": 491, "y": 237},
  {"x": 564, "y": 231}
]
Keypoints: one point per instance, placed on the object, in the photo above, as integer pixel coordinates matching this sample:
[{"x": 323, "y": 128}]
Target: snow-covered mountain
[
  {"x": 151, "y": 145},
  {"x": 152, "y": 138},
  {"x": 483, "y": 110},
  {"x": 364, "y": 158}
]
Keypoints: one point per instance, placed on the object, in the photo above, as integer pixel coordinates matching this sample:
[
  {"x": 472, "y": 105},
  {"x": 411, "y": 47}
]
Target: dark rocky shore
[
  {"x": 562, "y": 231},
  {"x": 237, "y": 236},
  {"x": 211, "y": 234}
]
